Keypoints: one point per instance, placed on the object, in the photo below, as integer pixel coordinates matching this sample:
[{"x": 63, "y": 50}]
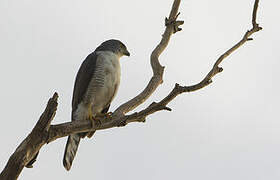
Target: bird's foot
[
  {"x": 97, "y": 122},
  {"x": 94, "y": 121},
  {"x": 108, "y": 115}
]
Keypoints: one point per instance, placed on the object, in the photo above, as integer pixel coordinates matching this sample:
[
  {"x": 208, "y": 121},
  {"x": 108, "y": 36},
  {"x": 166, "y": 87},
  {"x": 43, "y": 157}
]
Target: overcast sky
[{"x": 228, "y": 130}]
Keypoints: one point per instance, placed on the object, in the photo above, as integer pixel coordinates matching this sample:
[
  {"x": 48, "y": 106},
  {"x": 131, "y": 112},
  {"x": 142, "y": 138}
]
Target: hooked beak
[{"x": 126, "y": 53}]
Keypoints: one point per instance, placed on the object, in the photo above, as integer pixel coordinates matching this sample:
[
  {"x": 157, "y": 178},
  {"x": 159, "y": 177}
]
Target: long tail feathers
[{"x": 70, "y": 150}]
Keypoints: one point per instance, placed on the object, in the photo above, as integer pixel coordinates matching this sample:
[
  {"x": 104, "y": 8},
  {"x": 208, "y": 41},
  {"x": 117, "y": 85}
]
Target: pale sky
[{"x": 228, "y": 130}]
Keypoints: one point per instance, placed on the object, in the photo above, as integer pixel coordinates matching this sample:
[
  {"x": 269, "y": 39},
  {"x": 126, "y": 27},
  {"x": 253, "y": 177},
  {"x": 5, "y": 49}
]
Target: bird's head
[{"x": 115, "y": 46}]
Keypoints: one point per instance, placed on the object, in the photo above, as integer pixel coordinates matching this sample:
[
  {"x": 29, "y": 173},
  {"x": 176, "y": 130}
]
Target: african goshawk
[{"x": 95, "y": 87}]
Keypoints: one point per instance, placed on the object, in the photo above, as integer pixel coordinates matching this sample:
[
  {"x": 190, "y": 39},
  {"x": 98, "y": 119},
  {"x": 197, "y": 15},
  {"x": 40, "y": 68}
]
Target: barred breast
[{"x": 105, "y": 81}]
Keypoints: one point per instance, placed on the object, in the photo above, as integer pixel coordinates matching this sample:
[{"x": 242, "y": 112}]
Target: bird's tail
[{"x": 70, "y": 150}]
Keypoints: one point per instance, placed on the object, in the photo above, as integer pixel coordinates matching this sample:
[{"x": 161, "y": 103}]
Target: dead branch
[
  {"x": 31, "y": 145},
  {"x": 44, "y": 133},
  {"x": 205, "y": 82}
]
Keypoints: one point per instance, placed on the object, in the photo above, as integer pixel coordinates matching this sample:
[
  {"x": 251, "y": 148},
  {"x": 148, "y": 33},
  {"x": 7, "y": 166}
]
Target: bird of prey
[{"x": 95, "y": 87}]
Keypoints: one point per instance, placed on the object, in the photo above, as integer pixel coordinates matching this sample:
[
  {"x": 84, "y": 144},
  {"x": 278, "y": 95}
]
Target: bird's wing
[{"x": 82, "y": 81}]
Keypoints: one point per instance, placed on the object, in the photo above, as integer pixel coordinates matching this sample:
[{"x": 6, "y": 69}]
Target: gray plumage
[{"x": 95, "y": 87}]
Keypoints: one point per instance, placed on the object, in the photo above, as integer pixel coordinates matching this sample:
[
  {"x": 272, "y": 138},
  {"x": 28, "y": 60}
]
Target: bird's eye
[{"x": 122, "y": 46}]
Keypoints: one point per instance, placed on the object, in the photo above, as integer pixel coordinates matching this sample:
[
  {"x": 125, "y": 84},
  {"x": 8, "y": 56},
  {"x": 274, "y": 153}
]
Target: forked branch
[
  {"x": 44, "y": 133},
  {"x": 154, "y": 107}
]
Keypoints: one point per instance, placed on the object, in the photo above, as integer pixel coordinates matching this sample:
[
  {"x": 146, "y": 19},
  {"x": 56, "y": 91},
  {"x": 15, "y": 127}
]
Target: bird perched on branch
[{"x": 95, "y": 87}]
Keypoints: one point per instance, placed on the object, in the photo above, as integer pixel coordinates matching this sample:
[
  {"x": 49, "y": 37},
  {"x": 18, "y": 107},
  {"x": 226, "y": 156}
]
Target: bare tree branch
[
  {"x": 31, "y": 145},
  {"x": 154, "y": 107},
  {"x": 44, "y": 133},
  {"x": 156, "y": 80}
]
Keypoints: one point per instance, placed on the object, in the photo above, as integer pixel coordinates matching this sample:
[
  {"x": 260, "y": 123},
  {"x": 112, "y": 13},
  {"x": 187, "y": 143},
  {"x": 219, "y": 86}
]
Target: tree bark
[{"x": 31, "y": 145}]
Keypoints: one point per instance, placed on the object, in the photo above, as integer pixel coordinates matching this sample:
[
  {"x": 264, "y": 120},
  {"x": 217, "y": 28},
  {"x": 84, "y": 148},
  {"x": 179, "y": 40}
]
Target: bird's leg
[
  {"x": 90, "y": 116},
  {"x": 93, "y": 119}
]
